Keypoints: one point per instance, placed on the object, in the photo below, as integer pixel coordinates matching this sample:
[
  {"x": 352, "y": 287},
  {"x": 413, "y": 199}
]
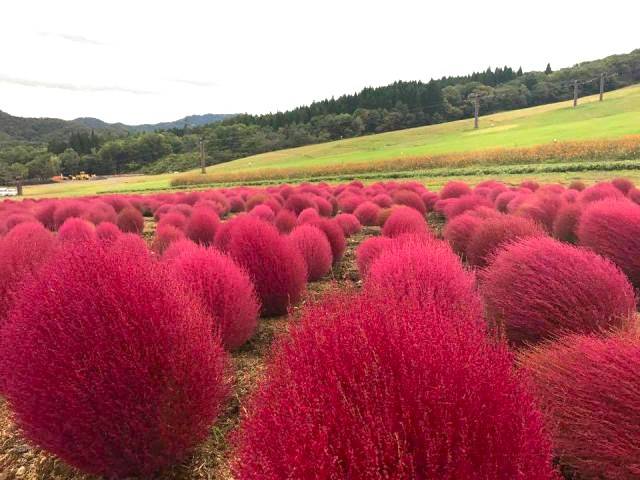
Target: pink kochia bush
[
  {"x": 22, "y": 252},
  {"x": 427, "y": 272},
  {"x": 369, "y": 251},
  {"x": 77, "y": 230},
  {"x": 459, "y": 231},
  {"x": 588, "y": 389},
  {"x": 539, "y": 288},
  {"x": 107, "y": 362},
  {"x": 202, "y": 225},
  {"x": 495, "y": 232},
  {"x": 367, "y": 213},
  {"x": 366, "y": 390},
  {"x": 349, "y": 223},
  {"x": 225, "y": 290},
  {"x": 612, "y": 229},
  {"x": 312, "y": 243},
  {"x": 334, "y": 234},
  {"x": 404, "y": 220},
  {"x": 130, "y": 220},
  {"x": 275, "y": 266}
]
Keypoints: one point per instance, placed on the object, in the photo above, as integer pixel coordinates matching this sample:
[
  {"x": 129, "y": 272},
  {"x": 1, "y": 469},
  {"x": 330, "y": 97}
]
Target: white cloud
[{"x": 258, "y": 56}]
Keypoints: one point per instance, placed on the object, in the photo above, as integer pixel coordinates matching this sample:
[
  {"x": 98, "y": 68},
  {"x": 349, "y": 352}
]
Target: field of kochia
[
  {"x": 552, "y": 142},
  {"x": 378, "y": 331}
]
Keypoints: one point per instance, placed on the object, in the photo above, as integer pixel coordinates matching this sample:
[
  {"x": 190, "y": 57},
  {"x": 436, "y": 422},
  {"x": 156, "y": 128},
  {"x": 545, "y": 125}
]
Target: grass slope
[{"x": 616, "y": 116}]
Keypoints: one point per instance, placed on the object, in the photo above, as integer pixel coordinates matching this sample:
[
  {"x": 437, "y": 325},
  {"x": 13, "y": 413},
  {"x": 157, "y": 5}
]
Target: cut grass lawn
[{"x": 615, "y": 117}]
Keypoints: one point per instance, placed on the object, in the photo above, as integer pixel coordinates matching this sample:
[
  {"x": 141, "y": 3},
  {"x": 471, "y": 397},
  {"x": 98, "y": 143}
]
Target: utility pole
[
  {"x": 575, "y": 93},
  {"x": 476, "y": 109},
  {"x": 19, "y": 186},
  {"x": 202, "y": 162},
  {"x": 602, "y": 75}
]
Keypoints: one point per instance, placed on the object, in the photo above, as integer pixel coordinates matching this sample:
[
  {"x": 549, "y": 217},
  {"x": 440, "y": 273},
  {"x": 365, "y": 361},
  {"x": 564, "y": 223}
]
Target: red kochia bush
[
  {"x": 409, "y": 199},
  {"x": 202, "y": 226},
  {"x": 335, "y": 236},
  {"x": 365, "y": 390},
  {"x": 67, "y": 209},
  {"x": 426, "y": 271},
  {"x": 312, "y": 243},
  {"x": 130, "y": 220},
  {"x": 165, "y": 236},
  {"x": 460, "y": 205},
  {"x": 404, "y": 220},
  {"x": 225, "y": 290},
  {"x": 495, "y": 232},
  {"x": 285, "y": 221},
  {"x": 368, "y": 251},
  {"x": 622, "y": 184},
  {"x": 612, "y": 229},
  {"x": 539, "y": 288},
  {"x": 459, "y": 231},
  {"x": 109, "y": 364},
  {"x": 77, "y": 230},
  {"x": 276, "y": 268},
  {"x": 454, "y": 189},
  {"x": 588, "y": 388},
  {"x": 22, "y": 252},
  {"x": 367, "y": 213},
  {"x": 349, "y": 223},
  {"x": 565, "y": 225},
  {"x": 107, "y": 232}
]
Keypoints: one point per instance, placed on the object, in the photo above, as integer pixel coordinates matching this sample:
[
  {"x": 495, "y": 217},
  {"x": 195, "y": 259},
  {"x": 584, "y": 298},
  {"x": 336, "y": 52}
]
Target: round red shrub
[
  {"x": 67, "y": 209},
  {"x": 409, "y": 199},
  {"x": 225, "y": 290},
  {"x": 349, "y": 223},
  {"x": 495, "y": 232},
  {"x": 22, "y": 252},
  {"x": 77, "y": 230},
  {"x": 382, "y": 200},
  {"x": 315, "y": 248},
  {"x": 542, "y": 208},
  {"x": 202, "y": 226},
  {"x": 369, "y": 251},
  {"x": 404, "y": 220},
  {"x": 612, "y": 229},
  {"x": 236, "y": 204},
  {"x": 539, "y": 288},
  {"x": 565, "y": 225},
  {"x": 349, "y": 202},
  {"x": 335, "y": 236},
  {"x": 530, "y": 184},
  {"x": 276, "y": 268},
  {"x": 623, "y": 184},
  {"x": 99, "y": 212},
  {"x": 367, "y": 213},
  {"x": 361, "y": 389},
  {"x": 111, "y": 397},
  {"x": 130, "y": 220},
  {"x": 325, "y": 208},
  {"x": 426, "y": 271},
  {"x": 298, "y": 202},
  {"x": 454, "y": 189},
  {"x": 459, "y": 231},
  {"x": 174, "y": 219},
  {"x": 308, "y": 215},
  {"x": 600, "y": 191},
  {"x": 165, "y": 235},
  {"x": 460, "y": 205},
  {"x": 107, "y": 232},
  {"x": 45, "y": 213},
  {"x": 285, "y": 221},
  {"x": 263, "y": 212},
  {"x": 177, "y": 248},
  {"x": 587, "y": 388}
]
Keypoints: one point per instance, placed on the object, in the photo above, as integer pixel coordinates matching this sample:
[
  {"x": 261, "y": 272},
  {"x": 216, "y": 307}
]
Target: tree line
[{"x": 403, "y": 104}]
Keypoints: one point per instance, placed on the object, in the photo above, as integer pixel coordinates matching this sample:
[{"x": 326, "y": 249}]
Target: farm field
[
  {"x": 379, "y": 157},
  {"x": 369, "y": 326}
]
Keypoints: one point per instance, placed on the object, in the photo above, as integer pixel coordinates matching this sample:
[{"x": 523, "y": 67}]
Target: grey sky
[{"x": 151, "y": 61}]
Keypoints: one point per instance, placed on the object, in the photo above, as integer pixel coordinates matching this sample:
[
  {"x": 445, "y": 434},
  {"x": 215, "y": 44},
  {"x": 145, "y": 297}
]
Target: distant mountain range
[{"x": 24, "y": 129}]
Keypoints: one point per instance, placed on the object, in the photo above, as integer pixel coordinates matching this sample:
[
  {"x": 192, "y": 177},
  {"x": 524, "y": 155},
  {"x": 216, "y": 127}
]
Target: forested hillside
[{"x": 401, "y": 105}]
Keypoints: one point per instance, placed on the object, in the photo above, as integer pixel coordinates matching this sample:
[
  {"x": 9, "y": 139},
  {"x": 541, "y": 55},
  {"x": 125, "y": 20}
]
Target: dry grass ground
[{"x": 211, "y": 459}]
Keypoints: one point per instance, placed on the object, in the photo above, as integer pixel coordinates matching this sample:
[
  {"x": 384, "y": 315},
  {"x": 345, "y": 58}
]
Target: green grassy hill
[{"x": 618, "y": 115}]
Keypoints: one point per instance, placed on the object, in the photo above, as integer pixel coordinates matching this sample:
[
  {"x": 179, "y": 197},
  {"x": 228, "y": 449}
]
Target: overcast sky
[{"x": 141, "y": 61}]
